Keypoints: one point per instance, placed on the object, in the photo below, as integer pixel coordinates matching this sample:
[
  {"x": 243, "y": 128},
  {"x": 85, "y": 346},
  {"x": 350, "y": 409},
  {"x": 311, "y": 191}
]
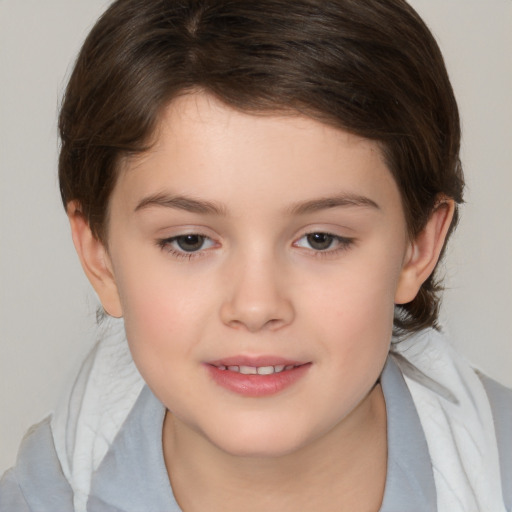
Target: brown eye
[
  {"x": 320, "y": 241},
  {"x": 190, "y": 243}
]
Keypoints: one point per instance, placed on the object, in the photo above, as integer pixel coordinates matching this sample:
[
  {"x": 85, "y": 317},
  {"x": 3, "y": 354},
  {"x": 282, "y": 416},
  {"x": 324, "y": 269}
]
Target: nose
[{"x": 257, "y": 296}]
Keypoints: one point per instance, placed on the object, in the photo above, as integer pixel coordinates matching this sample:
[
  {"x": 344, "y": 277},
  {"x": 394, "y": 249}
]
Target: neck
[{"x": 344, "y": 470}]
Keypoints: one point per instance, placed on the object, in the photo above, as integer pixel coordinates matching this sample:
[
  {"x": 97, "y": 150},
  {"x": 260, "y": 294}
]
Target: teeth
[
  {"x": 248, "y": 370},
  {"x": 257, "y": 370},
  {"x": 266, "y": 370}
]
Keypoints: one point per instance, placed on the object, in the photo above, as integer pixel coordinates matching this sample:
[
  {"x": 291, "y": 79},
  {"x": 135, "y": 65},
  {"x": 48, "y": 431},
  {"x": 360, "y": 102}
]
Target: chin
[{"x": 259, "y": 441}]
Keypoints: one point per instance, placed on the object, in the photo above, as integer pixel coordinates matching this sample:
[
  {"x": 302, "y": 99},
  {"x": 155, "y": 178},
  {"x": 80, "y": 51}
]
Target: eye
[
  {"x": 186, "y": 245},
  {"x": 190, "y": 243},
  {"x": 320, "y": 241}
]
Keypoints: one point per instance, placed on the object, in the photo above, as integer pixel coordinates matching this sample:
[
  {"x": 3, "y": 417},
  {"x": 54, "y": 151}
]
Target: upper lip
[{"x": 255, "y": 361}]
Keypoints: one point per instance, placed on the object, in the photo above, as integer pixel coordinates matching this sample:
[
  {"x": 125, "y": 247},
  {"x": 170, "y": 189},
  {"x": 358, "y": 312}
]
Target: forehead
[{"x": 207, "y": 149}]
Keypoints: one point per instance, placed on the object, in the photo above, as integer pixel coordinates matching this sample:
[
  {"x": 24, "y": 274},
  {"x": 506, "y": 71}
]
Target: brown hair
[{"x": 371, "y": 67}]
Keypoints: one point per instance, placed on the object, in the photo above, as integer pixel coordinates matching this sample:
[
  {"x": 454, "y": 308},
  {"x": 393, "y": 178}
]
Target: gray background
[{"x": 47, "y": 309}]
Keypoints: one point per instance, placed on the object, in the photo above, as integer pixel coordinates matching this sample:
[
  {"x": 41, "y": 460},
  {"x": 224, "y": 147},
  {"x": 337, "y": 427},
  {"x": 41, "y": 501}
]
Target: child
[{"x": 262, "y": 191}]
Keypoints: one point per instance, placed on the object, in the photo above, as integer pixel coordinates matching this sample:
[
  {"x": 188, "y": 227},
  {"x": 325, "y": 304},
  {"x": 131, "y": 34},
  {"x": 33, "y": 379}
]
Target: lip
[
  {"x": 256, "y": 385},
  {"x": 261, "y": 360}
]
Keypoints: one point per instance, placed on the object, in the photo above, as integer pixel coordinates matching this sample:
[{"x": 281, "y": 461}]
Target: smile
[
  {"x": 256, "y": 378},
  {"x": 257, "y": 370}
]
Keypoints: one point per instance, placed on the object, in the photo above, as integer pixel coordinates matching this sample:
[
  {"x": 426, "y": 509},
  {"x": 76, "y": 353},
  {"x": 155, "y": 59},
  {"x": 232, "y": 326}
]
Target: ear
[
  {"x": 95, "y": 261},
  {"x": 423, "y": 252}
]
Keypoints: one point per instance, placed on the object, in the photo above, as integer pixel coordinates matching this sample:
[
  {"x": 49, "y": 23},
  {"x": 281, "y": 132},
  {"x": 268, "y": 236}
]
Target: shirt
[{"x": 133, "y": 477}]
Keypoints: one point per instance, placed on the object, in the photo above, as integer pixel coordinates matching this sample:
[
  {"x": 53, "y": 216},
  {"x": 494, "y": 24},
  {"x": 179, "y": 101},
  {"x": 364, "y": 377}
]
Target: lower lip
[{"x": 257, "y": 385}]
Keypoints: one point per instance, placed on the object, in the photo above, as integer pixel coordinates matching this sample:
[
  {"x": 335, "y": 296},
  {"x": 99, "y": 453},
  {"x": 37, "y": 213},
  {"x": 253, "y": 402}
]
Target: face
[{"x": 257, "y": 260}]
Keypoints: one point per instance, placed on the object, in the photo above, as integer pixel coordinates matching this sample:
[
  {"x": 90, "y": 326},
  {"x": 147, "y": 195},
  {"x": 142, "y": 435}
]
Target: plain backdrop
[{"x": 47, "y": 309}]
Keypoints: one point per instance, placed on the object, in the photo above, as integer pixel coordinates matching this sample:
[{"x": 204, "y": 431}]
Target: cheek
[
  {"x": 359, "y": 294},
  {"x": 161, "y": 310},
  {"x": 357, "y": 310},
  {"x": 162, "y": 332}
]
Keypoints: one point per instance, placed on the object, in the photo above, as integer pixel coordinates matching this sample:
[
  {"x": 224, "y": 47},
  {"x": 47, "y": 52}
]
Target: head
[
  {"x": 201, "y": 144},
  {"x": 371, "y": 68}
]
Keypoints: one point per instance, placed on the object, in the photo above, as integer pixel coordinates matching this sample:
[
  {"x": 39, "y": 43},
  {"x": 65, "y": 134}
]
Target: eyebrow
[
  {"x": 324, "y": 203},
  {"x": 192, "y": 205},
  {"x": 181, "y": 203}
]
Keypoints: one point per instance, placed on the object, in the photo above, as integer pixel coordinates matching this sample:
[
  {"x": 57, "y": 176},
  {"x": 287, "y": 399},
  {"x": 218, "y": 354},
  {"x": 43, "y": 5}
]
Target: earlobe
[
  {"x": 424, "y": 251},
  {"x": 95, "y": 261}
]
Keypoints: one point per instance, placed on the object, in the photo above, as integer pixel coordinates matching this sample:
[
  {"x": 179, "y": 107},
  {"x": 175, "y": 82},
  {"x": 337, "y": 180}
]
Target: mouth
[
  {"x": 256, "y": 377},
  {"x": 257, "y": 370}
]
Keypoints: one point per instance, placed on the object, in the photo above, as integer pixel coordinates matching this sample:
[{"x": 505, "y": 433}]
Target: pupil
[
  {"x": 190, "y": 243},
  {"x": 320, "y": 241}
]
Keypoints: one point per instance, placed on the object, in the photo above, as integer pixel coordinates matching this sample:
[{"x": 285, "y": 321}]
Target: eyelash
[
  {"x": 343, "y": 244},
  {"x": 166, "y": 245}
]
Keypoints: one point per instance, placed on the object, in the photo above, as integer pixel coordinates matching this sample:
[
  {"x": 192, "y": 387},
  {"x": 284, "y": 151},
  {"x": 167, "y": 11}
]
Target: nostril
[{"x": 271, "y": 316}]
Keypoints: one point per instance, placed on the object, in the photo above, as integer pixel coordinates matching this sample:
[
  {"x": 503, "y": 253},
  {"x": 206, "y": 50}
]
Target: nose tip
[
  {"x": 257, "y": 302},
  {"x": 254, "y": 319}
]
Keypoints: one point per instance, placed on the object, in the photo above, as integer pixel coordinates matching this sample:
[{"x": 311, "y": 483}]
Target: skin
[{"x": 255, "y": 187}]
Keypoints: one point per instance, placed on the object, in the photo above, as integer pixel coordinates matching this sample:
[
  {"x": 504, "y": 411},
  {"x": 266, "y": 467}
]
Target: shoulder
[
  {"x": 36, "y": 482},
  {"x": 500, "y": 399}
]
